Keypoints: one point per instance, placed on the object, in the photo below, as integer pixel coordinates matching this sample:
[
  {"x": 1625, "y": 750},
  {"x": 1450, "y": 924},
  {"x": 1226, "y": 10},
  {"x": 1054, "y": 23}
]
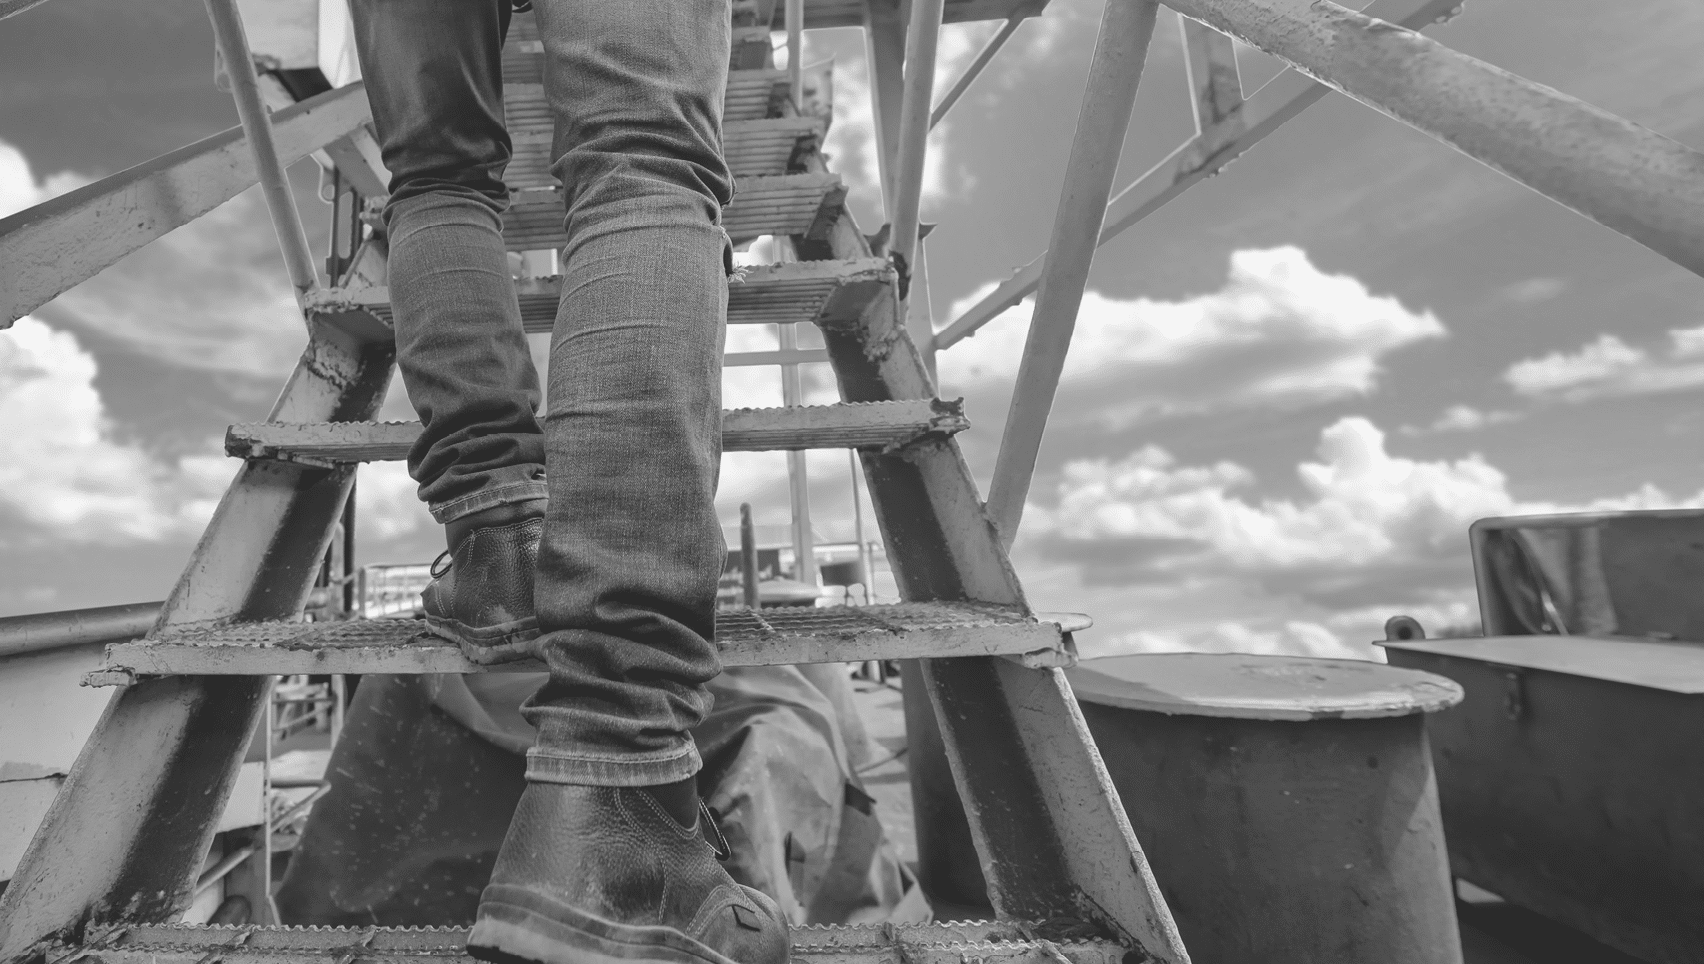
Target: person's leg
[
  {"x": 605, "y": 859},
  {"x": 434, "y": 76}
]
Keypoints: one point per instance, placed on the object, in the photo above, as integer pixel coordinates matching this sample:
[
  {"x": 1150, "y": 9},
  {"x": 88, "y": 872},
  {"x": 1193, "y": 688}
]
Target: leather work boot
[
  {"x": 605, "y": 875},
  {"x": 481, "y": 594}
]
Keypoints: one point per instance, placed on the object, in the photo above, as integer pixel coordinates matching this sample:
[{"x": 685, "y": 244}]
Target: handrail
[
  {"x": 62, "y": 242},
  {"x": 40, "y": 632},
  {"x": 1624, "y": 176},
  {"x": 1197, "y": 159}
]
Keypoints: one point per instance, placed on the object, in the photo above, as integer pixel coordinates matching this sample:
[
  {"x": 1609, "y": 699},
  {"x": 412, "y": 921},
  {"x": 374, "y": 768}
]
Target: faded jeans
[{"x": 630, "y": 445}]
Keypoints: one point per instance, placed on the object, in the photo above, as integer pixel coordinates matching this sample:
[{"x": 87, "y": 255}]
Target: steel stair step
[
  {"x": 986, "y": 942},
  {"x": 753, "y": 148},
  {"x": 752, "y": 95},
  {"x": 775, "y": 636},
  {"x": 784, "y": 204},
  {"x": 867, "y": 425},
  {"x": 771, "y": 294}
]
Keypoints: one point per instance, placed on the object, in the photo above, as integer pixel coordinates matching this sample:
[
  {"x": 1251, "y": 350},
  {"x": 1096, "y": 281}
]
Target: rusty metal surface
[
  {"x": 988, "y": 942},
  {"x": 1624, "y": 176},
  {"x": 761, "y": 295},
  {"x": 1675, "y": 667},
  {"x": 795, "y": 427},
  {"x": 1575, "y": 797},
  {"x": 777, "y": 636}
]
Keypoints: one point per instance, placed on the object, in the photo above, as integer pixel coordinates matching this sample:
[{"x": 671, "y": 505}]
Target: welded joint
[{"x": 1205, "y": 149}]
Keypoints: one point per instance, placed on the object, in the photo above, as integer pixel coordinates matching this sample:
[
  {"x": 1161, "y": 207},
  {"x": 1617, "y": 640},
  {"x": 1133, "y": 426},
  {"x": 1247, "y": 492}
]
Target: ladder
[{"x": 117, "y": 855}]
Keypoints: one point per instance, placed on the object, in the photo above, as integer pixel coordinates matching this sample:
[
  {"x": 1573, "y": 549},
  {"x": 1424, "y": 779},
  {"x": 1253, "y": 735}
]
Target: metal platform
[
  {"x": 777, "y": 636},
  {"x": 863, "y": 425},
  {"x": 983, "y": 942},
  {"x": 770, "y": 294}
]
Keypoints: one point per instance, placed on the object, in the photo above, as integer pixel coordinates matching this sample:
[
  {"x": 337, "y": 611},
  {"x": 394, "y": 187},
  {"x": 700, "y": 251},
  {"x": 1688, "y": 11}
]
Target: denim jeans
[{"x": 626, "y": 456}]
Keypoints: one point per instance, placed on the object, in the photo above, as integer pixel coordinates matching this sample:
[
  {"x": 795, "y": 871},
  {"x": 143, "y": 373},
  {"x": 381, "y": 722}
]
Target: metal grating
[
  {"x": 785, "y": 204},
  {"x": 985, "y": 942},
  {"x": 773, "y": 294},
  {"x": 753, "y": 148},
  {"x": 857, "y": 425},
  {"x": 777, "y": 636}
]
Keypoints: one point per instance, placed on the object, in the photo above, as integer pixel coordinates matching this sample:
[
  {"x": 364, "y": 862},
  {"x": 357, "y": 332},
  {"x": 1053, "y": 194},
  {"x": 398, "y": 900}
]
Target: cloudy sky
[{"x": 1290, "y": 393}]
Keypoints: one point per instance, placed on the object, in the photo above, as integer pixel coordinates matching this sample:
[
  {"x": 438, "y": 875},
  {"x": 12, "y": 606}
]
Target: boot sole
[
  {"x": 517, "y": 926},
  {"x": 502, "y": 647}
]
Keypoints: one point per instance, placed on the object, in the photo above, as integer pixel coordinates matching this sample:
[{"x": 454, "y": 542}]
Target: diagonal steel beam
[
  {"x": 1624, "y": 176},
  {"x": 48, "y": 249},
  {"x": 1197, "y": 159},
  {"x": 1120, "y": 52},
  {"x": 10, "y": 8}
]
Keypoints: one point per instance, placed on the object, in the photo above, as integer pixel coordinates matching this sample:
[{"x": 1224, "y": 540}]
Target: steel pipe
[
  {"x": 974, "y": 71},
  {"x": 1619, "y": 174},
  {"x": 257, "y": 126},
  {"x": 40, "y": 632},
  {"x": 1126, "y": 28}
]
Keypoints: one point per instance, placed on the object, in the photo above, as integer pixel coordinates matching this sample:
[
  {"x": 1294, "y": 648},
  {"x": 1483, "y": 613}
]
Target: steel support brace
[
  {"x": 47, "y": 249},
  {"x": 132, "y": 823},
  {"x": 9, "y": 8},
  {"x": 1194, "y": 161},
  {"x": 1126, "y": 28},
  {"x": 1051, "y": 836},
  {"x": 983, "y": 57},
  {"x": 1619, "y": 174},
  {"x": 884, "y": 45}
]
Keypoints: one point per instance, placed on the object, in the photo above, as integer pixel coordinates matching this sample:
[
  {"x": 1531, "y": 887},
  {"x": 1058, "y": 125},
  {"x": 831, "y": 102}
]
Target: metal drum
[{"x": 1287, "y": 805}]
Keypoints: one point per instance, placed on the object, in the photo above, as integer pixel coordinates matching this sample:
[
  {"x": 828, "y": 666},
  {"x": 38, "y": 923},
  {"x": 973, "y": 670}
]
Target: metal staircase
[
  {"x": 117, "y": 856},
  {"x": 113, "y": 858}
]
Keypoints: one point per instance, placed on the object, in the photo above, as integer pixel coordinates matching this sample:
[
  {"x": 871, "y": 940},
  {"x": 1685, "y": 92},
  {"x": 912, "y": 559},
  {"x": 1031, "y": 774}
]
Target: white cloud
[
  {"x": 19, "y": 188},
  {"x": 1187, "y": 552},
  {"x": 1463, "y": 418},
  {"x": 1609, "y": 367},
  {"x": 1280, "y": 332},
  {"x": 63, "y": 468}
]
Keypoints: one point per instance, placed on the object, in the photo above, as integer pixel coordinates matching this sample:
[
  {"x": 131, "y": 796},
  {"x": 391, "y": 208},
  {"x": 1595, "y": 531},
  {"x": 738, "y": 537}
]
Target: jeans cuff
[
  {"x": 614, "y": 769},
  {"x": 509, "y": 493}
]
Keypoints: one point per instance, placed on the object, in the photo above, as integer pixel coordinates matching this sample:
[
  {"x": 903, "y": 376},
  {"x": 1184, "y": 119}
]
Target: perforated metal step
[
  {"x": 753, "y": 148},
  {"x": 778, "y": 636},
  {"x": 866, "y": 425},
  {"x": 982, "y": 942},
  {"x": 785, "y": 204},
  {"x": 771, "y": 294}
]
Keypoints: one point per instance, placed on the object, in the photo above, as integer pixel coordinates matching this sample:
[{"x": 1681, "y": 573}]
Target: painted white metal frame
[
  {"x": 1120, "y": 52},
  {"x": 975, "y": 68}
]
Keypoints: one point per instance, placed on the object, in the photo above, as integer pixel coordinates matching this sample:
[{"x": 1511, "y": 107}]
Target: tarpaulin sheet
[{"x": 429, "y": 769}]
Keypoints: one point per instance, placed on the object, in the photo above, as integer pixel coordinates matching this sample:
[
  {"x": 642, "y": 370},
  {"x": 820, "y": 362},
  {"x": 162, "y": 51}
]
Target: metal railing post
[
  {"x": 796, "y": 51},
  {"x": 922, "y": 38},
  {"x": 1120, "y": 50},
  {"x": 1619, "y": 174},
  {"x": 257, "y": 128}
]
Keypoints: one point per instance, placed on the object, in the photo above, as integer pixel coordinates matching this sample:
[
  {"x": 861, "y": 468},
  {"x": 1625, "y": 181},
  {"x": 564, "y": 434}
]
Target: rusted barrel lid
[{"x": 1260, "y": 687}]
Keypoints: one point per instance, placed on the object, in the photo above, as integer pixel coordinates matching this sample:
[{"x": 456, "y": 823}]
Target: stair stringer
[
  {"x": 131, "y": 825},
  {"x": 1052, "y": 836}
]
